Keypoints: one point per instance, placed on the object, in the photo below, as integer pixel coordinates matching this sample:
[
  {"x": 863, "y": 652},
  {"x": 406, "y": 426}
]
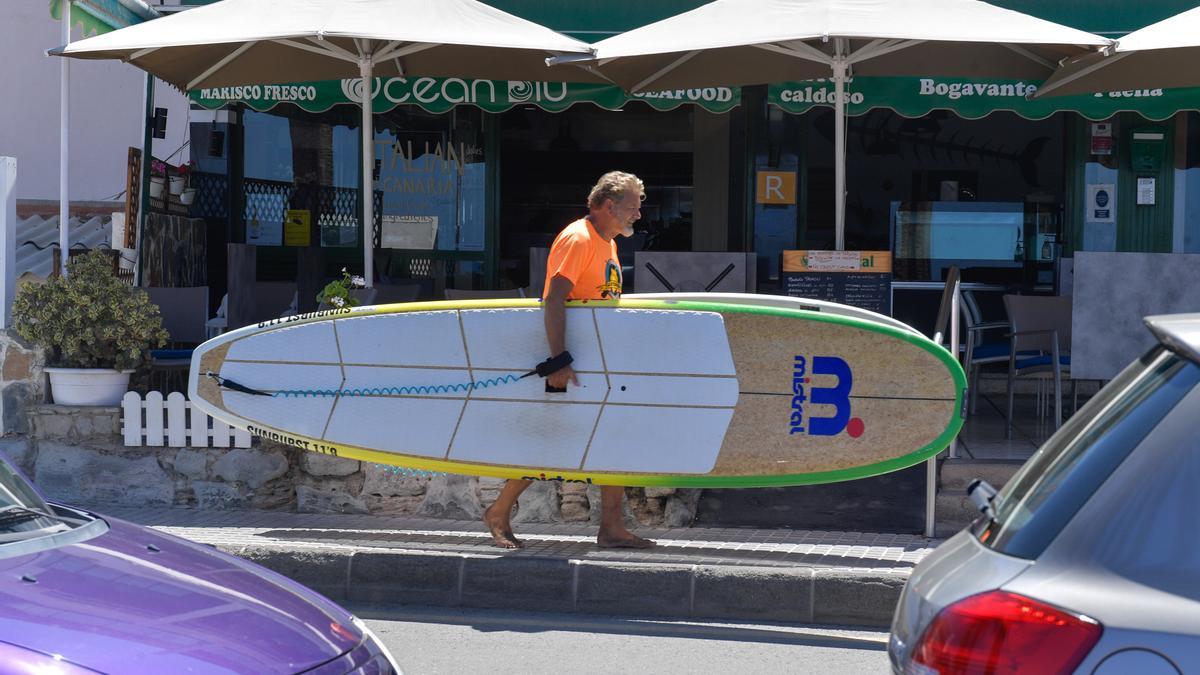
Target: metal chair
[
  {"x": 183, "y": 311},
  {"x": 981, "y": 347},
  {"x": 1039, "y": 346}
]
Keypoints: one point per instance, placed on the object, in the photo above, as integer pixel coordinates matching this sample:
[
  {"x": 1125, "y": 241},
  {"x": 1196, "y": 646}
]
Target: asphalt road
[{"x": 445, "y": 640}]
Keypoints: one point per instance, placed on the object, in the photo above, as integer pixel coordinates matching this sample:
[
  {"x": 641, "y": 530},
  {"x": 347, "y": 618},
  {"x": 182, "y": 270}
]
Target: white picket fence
[{"x": 173, "y": 422}]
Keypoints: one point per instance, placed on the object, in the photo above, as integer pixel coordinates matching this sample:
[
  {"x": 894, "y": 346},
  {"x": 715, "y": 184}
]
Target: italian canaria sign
[
  {"x": 438, "y": 95},
  {"x": 916, "y": 96}
]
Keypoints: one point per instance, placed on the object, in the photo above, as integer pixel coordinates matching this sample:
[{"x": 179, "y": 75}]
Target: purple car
[{"x": 84, "y": 594}]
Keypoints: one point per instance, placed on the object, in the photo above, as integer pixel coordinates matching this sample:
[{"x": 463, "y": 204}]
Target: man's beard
[{"x": 627, "y": 231}]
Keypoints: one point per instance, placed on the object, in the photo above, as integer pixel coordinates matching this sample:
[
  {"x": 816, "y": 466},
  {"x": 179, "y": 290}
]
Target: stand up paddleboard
[{"x": 673, "y": 393}]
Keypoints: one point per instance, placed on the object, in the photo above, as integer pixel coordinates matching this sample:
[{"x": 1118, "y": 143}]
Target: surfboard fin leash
[{"x": 234, "y": 386}]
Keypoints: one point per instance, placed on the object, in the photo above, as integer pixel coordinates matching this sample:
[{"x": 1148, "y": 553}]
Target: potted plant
[
  {"x": 179, "y": 180},
  {"x": 189, "y": 193},
  {"x": 337, "y": 293},
  {"x": 158, "y": 178},
  {"x": 95, "y": 329}
]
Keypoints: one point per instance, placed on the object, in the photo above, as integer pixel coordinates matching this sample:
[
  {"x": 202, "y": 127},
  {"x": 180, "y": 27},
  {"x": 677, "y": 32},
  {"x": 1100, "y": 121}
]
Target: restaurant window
[
  {"x": 551, "y": 160},
  {"x": 937, "y": 190},
  {"x": 299, "y": 162},
  {"x": 985, "y": 195},
  {"x": 430, "y": 169}
]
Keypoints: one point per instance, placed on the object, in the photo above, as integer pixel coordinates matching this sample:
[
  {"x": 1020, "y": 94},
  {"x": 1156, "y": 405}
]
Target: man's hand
[{"x": 559, "y": 378}]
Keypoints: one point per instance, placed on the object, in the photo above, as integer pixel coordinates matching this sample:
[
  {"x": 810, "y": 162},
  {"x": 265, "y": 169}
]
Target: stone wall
[
  {"x": 76, "y": 455},
  {"x": 21, "y": 381}
]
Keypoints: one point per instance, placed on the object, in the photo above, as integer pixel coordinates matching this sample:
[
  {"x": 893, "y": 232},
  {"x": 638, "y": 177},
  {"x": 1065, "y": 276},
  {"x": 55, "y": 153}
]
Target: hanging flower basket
[{"x": 157, "y": 183}]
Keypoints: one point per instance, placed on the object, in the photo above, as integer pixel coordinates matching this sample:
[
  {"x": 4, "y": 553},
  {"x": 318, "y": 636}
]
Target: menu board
[{"x": 858, "y": 278}]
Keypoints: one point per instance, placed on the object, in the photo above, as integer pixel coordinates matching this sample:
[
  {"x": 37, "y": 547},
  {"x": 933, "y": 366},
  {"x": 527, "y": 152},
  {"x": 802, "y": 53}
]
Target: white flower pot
[
  {"x": 177, "y": 183},
  {"x": 187, "y": 196},
  {"x": 88, "y": 386},
  {"x": 156, "y": 187}
]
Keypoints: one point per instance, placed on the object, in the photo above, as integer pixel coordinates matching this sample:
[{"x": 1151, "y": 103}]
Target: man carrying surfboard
[{"x": 582, "y": 265}]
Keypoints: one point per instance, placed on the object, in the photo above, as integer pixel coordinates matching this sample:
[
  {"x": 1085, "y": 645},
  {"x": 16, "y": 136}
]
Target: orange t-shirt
[{"x": 581, "y": 255}]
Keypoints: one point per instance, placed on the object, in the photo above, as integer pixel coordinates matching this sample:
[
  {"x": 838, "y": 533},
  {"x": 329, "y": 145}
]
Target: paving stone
[
  {"x": 405, "y": 578},
  {"x": 630, "y": 589},
  {"x": 509, "y": 582},
  {"x": 760, "y": 594}
]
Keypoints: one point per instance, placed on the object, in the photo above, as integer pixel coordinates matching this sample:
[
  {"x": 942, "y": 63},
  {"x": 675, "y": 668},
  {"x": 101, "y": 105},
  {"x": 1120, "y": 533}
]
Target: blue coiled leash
[{"x": 543, "y": 369}]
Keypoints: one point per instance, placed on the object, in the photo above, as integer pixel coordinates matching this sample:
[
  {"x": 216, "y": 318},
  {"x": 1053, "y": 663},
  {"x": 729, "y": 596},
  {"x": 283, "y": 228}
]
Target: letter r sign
[{"x": 776, "y": 187}]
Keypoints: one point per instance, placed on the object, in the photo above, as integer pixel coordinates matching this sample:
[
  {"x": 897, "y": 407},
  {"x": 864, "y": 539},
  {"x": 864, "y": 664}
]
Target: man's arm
[{"x": 554, "y": 307}]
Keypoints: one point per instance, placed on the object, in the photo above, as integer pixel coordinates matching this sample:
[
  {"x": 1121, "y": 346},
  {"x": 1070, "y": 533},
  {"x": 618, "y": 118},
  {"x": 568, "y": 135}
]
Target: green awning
[
  {"x": 438, "y": 95},
  {"x": 102, "y": 16},
  {"x": 972, "y": 99}
]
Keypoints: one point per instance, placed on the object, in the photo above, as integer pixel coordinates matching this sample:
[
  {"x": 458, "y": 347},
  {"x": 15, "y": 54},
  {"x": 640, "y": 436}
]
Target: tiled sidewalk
[{"x": 688, "y": 546}]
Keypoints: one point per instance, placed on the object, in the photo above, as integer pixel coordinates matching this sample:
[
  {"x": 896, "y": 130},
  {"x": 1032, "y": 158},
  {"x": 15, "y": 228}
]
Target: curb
[{"x": 842, "y": 596}]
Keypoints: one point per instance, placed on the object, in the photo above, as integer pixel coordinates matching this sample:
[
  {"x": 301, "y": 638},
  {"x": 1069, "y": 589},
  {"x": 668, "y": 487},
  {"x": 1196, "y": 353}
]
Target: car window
[
  {"x": 16, "y": 491},
  {"x": 1047, "y": 492}
]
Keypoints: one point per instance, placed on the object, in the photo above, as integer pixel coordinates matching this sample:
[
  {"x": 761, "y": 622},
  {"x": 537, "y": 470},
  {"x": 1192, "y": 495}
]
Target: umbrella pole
[
  {"x": 64, "y": 152},
  {"x": 366, "y": 67},
  {"x": 839, "y": 152}
]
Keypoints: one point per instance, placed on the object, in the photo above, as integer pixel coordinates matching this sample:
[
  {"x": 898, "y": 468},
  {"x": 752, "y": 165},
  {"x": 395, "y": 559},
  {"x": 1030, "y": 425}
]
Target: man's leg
[
  {"x": 613, "y": 533},
  {"x": 497, "y": 516}
]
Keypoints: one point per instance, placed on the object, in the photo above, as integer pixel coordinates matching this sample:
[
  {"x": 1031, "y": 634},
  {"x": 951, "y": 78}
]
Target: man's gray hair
[{"x": 615, "y": 185}]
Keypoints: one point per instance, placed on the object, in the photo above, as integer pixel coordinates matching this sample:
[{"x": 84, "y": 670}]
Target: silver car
[{"x": 1088, "y": 561}]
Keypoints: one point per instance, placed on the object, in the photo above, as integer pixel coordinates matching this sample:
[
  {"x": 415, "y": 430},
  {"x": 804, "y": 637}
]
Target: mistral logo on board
[{"x": 804, "y": 395}]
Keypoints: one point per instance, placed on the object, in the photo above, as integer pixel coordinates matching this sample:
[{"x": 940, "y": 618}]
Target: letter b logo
[{"x": 837, "y": 396}]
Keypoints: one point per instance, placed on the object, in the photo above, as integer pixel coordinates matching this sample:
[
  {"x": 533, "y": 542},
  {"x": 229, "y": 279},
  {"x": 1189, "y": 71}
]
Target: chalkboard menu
[{"x": 858, "y": 278}]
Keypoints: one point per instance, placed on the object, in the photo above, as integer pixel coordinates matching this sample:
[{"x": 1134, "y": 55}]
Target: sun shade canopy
[
  {"x": 1160, "y": 55},
  {"x": 236, "y": 42},
  {"x": 739, "y": 42}
]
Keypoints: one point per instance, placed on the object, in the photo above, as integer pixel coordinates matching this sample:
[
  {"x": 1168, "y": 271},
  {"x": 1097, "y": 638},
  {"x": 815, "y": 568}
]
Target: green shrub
[{"x": 89, "y": 318}]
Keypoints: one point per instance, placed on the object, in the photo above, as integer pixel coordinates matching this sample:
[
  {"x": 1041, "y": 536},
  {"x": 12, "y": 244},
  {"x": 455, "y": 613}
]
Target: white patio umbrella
[
  {"x": 740, "y": 42},
  {"x": 1160, "y": 55},
  {"x": 241, "y": 42}
]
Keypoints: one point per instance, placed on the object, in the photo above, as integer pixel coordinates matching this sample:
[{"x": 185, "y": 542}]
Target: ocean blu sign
[{"x": 438, "y": 95}]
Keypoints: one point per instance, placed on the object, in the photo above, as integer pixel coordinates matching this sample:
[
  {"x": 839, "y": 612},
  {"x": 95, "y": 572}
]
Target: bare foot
[
  {"x": 498, "y": 525},
  {"x": 624, "y": 539}
]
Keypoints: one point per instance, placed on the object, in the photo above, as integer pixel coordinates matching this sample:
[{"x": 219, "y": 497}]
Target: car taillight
[{"x": 1000, "y": 632}]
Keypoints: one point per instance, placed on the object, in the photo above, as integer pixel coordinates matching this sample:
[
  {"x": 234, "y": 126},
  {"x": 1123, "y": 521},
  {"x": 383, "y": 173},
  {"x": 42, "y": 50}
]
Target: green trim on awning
[
  {"x": 438, "y": 95},
  {"x": 972, "y": 99},
  {"x": 97, "y": 16}
]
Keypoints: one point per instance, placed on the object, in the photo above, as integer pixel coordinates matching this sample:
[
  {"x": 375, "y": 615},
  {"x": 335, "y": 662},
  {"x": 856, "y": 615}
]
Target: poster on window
[
  {"x": 413, "y": 232},
  {"x": 296, "y": 227},
  {"x": 1101, "y": 203},
  {"x": 339, "y": 233}
]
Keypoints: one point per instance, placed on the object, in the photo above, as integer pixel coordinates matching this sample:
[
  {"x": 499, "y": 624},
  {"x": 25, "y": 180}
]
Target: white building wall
[{"x": 106, "y": 110}]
